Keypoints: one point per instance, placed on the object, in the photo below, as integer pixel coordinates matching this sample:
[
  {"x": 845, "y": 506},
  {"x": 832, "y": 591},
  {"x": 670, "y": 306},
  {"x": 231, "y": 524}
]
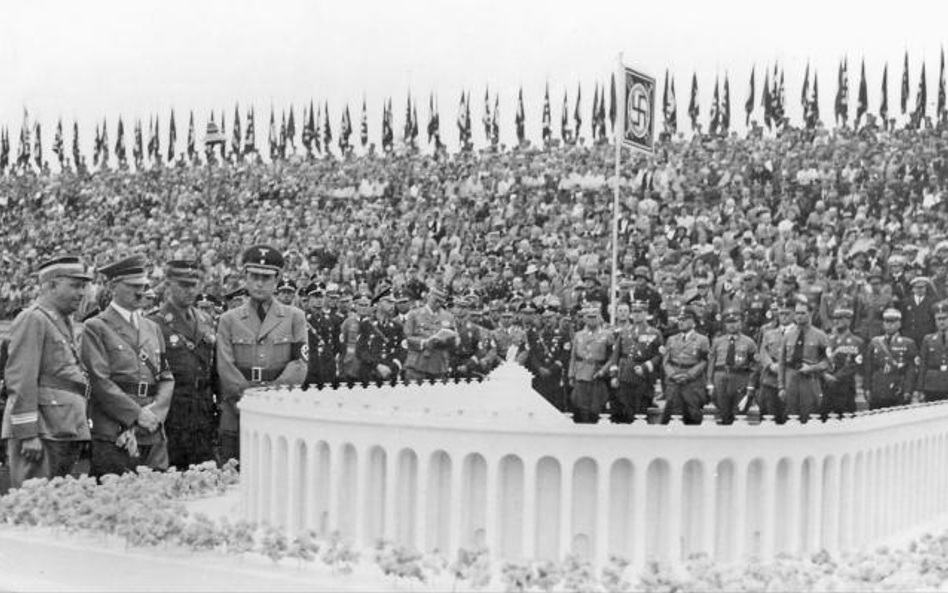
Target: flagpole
[{"x": 619, "y": 137}]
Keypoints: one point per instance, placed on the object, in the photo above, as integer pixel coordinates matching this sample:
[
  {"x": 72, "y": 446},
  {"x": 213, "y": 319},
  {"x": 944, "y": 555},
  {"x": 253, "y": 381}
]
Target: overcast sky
[{"x": 102, "y": 58}]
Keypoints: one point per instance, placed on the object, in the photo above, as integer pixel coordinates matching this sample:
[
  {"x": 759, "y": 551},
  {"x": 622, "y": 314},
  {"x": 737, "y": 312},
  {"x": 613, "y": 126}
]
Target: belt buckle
[
  {"x": 256, "y": 374},
  {"x": 143, "y": 390}
]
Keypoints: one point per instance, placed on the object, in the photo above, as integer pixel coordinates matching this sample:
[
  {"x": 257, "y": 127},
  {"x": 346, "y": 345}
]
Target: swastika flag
[{"x": 639, "y": 129}]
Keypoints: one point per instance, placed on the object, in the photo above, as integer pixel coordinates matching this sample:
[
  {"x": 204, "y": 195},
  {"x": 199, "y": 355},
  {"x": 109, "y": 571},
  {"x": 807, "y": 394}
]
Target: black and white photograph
[{"x": 523, "y": 296}]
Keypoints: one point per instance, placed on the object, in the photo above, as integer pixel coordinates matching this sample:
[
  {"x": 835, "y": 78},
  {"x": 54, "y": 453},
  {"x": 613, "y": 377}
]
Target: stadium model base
[{"x": 490, "y": 464}]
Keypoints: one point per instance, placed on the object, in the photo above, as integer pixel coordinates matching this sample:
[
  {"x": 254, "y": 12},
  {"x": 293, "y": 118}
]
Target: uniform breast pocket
[
  {"x": 281, "y": 348},
  {"x": 244, "y": 346}
]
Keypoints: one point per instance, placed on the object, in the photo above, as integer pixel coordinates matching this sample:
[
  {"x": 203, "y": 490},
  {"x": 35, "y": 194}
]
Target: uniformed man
[
  {"x": 643, "y": 292},
  {"x": 549, "y": 356},
  {"x": 211, "y": 306},
  {"x": 589, "y": 367},
  {"x": 430, "y": 334},
  {"x": 918, "y": 319},
  {"x": 685, "y": 363},
  {"x": 933, "y": 360},
  {"x": 844, "y": 378},
  {"x": 262, "y": 342},
  {"x": 286, "y": 291},
  {"x": 671, "y": 307},
  {"x": 322, "y": 338},
  {"x": 771, "y": 345},
  {"x": 131, "y": 383},
  {"x": 191, "y": 425},
  {"x": 380, "y": 346},
  {"x": 44, "y": 420},
  {"x": 732, "y": 364},
  {"x": 803, "y": 360},
  {"x": 350, "y": 366},
  {"x": 891, "y": 367},
  {"x": 636, "y": 360},
  {"x": 467, "y": 359},
  {"x": 236, "y": 298}
]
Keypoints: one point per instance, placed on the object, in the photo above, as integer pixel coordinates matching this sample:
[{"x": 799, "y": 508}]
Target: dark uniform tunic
[
  {"x": 380, "y": 342},
  {"x": 732, "y": 364},
  {"x": 637, "y": 347},
  {"x": 469, "y": 357},
  {"x": 191, "y": 425},
  {"x": 549, "y": 361},
  {"x": 685, "y": 362},
  {"x": 426, "y": 358},
  {"x": 890, "y": 370},
  {"x": 839, "y": 382},
  {"x": 933, "y": 367},
  {"x": 323, "y": 340},
  {"x": 771, "y": 345}
]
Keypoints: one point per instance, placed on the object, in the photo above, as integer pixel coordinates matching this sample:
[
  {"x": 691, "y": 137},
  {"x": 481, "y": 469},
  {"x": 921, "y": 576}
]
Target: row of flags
[{"x": 316, "y": 131}]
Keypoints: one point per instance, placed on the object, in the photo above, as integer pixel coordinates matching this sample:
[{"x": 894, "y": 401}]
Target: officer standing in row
[
  {"x": 844, "y": 377},
  {"x": 636, "y": 361},
  {"x": 685, "y": 363},
  {"x": 189, "y": 336},
  {"x": 589, "y": 367},
  {"x": 933, "y": 359},
  {"x": 430, "y": 335},
  {"x": 474, "y": 343},
  {"x": 549, "y": 356},
  {"x": 890, "y": 364},
  {"x": 323, "y": 340},
  {"x": 262, "y": 342},
  {"x": 771, "y": 345},
  {"x": 379, "y": 347},
  {"x": 803, "y": 360},
  {"x": 131, "y": 383},
  {"x": 732, "y": 363},
  {"x": 44, "y": 421}
]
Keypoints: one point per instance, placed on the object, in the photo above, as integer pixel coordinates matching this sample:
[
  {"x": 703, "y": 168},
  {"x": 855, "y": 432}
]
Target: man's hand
[
  {"x": 638, "y": 370},
  {"x": 710, "y": 388},
  {"x": 383, "y": 371},
  {"x": 774, "y": 367},
  {"x": 830, "y": 378},
  {"x": 782, "y": 395},
  {"x": 918, "y": 397},
  {"x": 32, "y": 449},
  {"x": 147, "y": 420}
]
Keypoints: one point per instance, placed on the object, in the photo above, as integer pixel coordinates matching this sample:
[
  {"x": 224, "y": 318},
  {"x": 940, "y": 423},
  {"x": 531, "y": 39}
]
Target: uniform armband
[{"x": 299, "y": 351}]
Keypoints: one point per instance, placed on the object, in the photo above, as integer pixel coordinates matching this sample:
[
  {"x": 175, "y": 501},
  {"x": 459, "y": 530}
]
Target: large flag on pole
[
  {"x": 250, "y": 136},
  {"x": 842, "y": 94},
  {"x": 638, "y": 125},
  {"x": 941, "y": 89},
  {"x": 172, "y": 138},
  {"x": 612, "y": 103},
  {"x": 76, "y": 153},
  {"x": 520, "y": 119},
  {"x": 577, "y": 117},
  {"x": 884, "y": 103},
  {"x": 766, "y": 102},
  {"x": 58, "y": 147},
  {"x": 236, "y": 136},
  {"x": 726, "y": 107},
  {"x": 547, "y": 117},
  {"x": 715, "y": 111},
  {"x": 921, "y": 98},
  {"x": 564, "y": 120},
  {"x": 364, "y": 126}
]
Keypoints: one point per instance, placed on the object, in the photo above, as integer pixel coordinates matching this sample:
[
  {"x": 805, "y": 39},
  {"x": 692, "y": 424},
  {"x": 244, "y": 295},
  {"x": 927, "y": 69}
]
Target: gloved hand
[{"x": 127, "y": 441}]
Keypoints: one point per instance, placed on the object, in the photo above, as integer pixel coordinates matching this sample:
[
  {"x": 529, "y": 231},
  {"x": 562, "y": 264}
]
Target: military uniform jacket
[
  {"x": 846, "y": 356},
  {"x": 550, "y": 349},
  {"x": 891, "y": 366},
  {"x": 918, "y": 319},
  {"x": 815, "y": 349},
  {"x": 46, "y": 385},
  {"x": 475, "y": 345},
  {"x": 381, "y": 341},
  {"x": 277, "y": 348},
  {"x": 590, "y": 353},
  {"x": 745, "y": 355},
  {"x": 756, "y": 311},
  {"x": 686, "y": 353},
  {"x": 323, "y": 340},
  {"x": 933, "y": 363},
  {"x": 189, "y": 348},
  {"x": 771, "y": 345},
  {"x": 637, "y": 346},
  {"x": 423, "y": 323},
  {"x": 114, "y": 353},
  {"x": 350, "y": 365}
]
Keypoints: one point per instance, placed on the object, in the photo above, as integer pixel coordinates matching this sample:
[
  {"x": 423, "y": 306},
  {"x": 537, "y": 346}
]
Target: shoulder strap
[
  {"x": 70, "y": 340},
  {"x": 142, "y": 355}
]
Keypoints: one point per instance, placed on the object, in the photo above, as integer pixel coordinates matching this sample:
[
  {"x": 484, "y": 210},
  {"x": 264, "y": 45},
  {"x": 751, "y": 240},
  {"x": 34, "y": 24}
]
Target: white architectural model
[{"x": 451, "y": 465}]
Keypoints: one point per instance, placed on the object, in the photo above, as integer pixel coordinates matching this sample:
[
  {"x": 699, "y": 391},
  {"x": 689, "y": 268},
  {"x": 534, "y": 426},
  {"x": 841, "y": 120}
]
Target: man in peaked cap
[
  {"x": 430, "y": 334},
  {"x": 933, "y": 359},
  {"x": 380, "y": 346},
  {"x": 132, "y": 385},
  {"x": 286, "y": 291},
  {"x": 191, "y": 425},
  {"x": 589, "y": 366},
  {"x": 844, "y": 377},
  {"x": 918, "y": 318},
  {"x": 803, "y": 360},
  {"x": 43, "y": 367},
  {"x": 891, "y": 368},
  {"x": 262, "y": 342},
  {"x": 685, "y": 362},
  {"x": 732, "y": 364},
  {"x": 635, "y": 361}
]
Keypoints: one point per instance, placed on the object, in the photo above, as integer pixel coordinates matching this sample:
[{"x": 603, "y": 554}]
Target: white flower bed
[{"x": 149, "y": 510}]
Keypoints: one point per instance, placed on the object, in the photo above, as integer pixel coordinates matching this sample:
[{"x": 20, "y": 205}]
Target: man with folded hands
[
  {"x": 44, "y": 422},
  {"x": 131, "y": 383}
]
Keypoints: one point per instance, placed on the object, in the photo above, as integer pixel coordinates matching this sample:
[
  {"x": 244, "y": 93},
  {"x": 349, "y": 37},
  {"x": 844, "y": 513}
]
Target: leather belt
[
  {"x": 139, "y": 390},
  {"x": 260, "y": 374},
  {"x": 195, "y": 385},
  {"x": 63, "y": 384}
]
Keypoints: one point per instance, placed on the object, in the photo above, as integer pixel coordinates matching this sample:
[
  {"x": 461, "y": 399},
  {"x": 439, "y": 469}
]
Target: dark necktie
[
  {"x": 729, "y": 359},
  {"x": 797, "y": 359},
  {"x": 261, "y": 312}
]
